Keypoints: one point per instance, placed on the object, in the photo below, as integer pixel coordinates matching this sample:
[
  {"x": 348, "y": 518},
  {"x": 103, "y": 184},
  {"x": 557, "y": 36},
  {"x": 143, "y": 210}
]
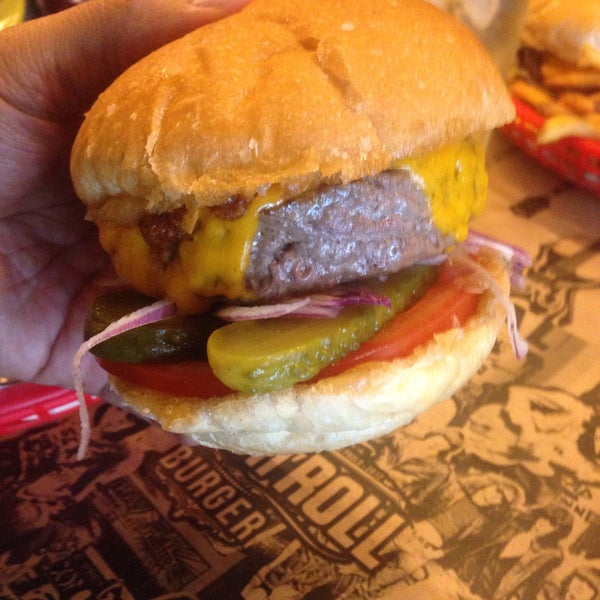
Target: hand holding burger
[
  {"x": 303, "y": 169},
  {"x": 51, "y": 70}
]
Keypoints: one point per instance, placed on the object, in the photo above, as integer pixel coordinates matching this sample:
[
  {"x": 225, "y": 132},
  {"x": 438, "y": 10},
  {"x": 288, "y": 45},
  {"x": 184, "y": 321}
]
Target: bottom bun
[{"x": 364, "y": 402}]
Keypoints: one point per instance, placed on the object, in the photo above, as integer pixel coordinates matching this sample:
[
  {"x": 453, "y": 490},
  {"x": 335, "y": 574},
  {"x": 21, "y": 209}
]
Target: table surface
[{"x": 494, "y": 493}]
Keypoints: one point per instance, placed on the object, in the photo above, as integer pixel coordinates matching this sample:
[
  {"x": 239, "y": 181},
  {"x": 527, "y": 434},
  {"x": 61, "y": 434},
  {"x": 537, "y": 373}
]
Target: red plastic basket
[
  {"x": 574, "y": 158},
  {"x": 24, "y": 405}
]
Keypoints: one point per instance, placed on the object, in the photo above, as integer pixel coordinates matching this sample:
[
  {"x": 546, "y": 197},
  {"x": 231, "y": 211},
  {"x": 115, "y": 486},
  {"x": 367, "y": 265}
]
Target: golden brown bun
[
  {"x": 280, "y": 90},
  {"x": 367, "y": 401},
  {"x": 569, "y": 30}
]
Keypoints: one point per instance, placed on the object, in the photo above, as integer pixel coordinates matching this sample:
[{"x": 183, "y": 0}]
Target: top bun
[
  {"x": 283, "y": 90},
  {"x": 566, "y": 29}
]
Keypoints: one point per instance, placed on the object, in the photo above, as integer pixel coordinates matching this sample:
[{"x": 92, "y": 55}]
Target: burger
[
  {"x": 288, "y": 193},
  {"x": 559, "y": 68}
]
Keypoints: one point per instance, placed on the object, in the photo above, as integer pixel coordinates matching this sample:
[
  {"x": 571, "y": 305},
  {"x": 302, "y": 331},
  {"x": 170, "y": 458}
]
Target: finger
[{"x": 54, "y": 67}]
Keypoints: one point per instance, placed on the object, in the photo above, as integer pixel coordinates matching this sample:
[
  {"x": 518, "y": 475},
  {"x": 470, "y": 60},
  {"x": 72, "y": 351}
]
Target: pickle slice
[
  {"x": 273, "y": 354},
  {"x": 173, "y": 339}
]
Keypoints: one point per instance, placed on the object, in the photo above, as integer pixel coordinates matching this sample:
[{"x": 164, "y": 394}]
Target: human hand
[{"x": 51, "y": 70}]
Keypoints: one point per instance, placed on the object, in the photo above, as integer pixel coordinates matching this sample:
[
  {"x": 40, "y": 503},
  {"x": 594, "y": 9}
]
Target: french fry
[
  {"x": 579, "y": 103},
  {"x": 561, "y": 126},
  {"x": 593, "y": 120},
  {"x": 569, "y": 112},
  {"x": 534, "y": 95},
  {"x": 558, "y": 73}
]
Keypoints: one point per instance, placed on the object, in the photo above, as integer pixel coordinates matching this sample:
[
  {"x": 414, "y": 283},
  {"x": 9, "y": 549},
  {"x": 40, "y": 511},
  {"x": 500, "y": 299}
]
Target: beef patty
[{"x": 340, "y": 233}]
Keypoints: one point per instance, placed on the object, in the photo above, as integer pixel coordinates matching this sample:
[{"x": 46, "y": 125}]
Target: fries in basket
[{"x": 558, "y": 72}]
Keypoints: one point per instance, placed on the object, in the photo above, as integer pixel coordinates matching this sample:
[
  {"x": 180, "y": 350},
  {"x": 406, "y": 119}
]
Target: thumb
[{"x": 54, "y": 67}]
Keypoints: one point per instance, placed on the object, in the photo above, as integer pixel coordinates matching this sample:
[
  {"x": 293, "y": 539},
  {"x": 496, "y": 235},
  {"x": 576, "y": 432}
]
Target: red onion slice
[
  {"x": 266, "y": 311},
  {"x": 518, "y": 258},
  {"x": 483, "y": 279},
  {"x": 158, "y": 311},
  {"x": 318, "y": 306}
]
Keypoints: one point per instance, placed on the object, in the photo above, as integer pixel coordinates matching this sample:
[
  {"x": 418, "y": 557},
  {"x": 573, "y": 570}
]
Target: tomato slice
[
  {"x": 443, "y": 306},
  {"x": 188, "y": 378}
]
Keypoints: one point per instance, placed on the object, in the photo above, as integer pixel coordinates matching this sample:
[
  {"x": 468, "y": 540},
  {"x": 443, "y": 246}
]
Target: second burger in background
[
  {"x": 303, "y": 168},
  {"x": 559, "y": 67}
]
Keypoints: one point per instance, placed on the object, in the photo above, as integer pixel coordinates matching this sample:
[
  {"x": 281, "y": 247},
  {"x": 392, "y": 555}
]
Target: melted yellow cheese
[
  {"x": 455, "y": 182},
  {"x": 213, "y": 260}
]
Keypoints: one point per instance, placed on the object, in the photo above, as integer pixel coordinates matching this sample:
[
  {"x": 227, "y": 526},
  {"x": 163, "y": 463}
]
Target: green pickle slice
[
  {"x": 169, "y": 340},
  {"x": 274, "y": 354}
]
